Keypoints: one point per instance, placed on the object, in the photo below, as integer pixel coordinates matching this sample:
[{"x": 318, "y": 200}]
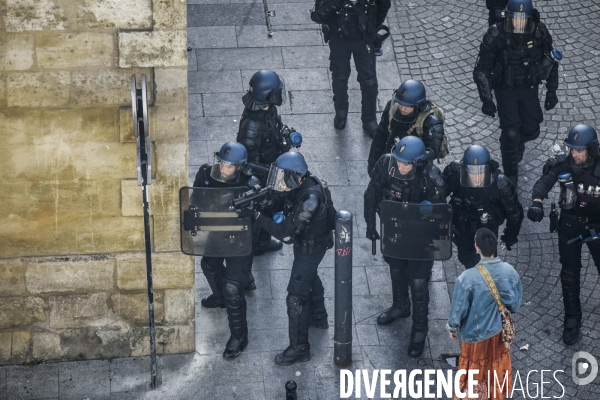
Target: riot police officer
[
  {"x": 307, "y": 212},
  {"x": 260, "y": 132},
  {"x": 481, "y": 197},
  {"x": 405, "y": 175},
  {"x": 578, "y": 173},
  {"x": 350, "y": 27},
  {"x": 495, "y": 8},
  {"x": 227, "y": 283},
  {"x": 408, "y": 113},
  {"x": 514, "y": 58}
]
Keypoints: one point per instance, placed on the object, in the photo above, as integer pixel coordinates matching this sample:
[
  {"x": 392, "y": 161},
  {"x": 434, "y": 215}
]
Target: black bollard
[
  {"x": 290, "y": 390},
  {"x": 342, "y": 338}
]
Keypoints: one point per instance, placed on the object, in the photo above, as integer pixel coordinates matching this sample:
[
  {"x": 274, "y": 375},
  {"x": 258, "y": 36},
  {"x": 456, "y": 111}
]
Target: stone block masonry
[{"x": 72, "y": 259}]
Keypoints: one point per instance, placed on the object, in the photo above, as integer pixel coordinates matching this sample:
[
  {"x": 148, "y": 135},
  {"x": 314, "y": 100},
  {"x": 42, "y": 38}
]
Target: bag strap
[{"x": 491, "y": 285}]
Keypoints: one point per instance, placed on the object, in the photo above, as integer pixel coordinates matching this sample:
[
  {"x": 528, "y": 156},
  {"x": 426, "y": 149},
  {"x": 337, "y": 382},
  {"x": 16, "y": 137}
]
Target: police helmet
[
  {"x": 583, "y": 136},
  {"x": 228, "y": 162},
  {"x": 517, "y": 17},
  {"x": 409, "y": 150},
  {"x": 475, "y": 169},
  {"x": 411, "y": 93},
  {"x": 266, "y": 88},
  {"x": 286, "y": 171}
]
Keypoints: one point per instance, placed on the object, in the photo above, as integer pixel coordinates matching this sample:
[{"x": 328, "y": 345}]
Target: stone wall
[{"x": 72, "y": 261}]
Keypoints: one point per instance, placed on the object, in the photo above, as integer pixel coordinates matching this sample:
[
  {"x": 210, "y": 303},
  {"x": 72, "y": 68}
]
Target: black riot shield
[
  {"x": 416, "y": 231},
  {"x": 209, "y": 225}
]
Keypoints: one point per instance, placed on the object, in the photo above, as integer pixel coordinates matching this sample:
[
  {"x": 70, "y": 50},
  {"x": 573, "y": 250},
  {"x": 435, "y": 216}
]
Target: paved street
[{"x": 433, "y": 41}]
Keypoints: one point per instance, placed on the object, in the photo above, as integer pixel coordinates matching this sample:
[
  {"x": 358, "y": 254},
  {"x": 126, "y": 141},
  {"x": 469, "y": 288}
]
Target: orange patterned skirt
[{"x": 488, "y": 357}]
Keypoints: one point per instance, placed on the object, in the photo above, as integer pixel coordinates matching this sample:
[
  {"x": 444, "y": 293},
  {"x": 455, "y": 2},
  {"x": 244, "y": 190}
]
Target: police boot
[
  {"x": 369, "y": 90},
  {"x": 420, "y": 296},
  {"x": 236, "y": 315},
  {"x": 572, "y": 323},
  {"x": 299, "y": 348},
  {"x": 339, "y": 83},
  {"x": 509, "y": 148},
  {"x": 401, "y": 302},
  {"x": 267, "y": 246},
  {"x": 316, "y": 300},
  {"x": 214, "y": 276}
]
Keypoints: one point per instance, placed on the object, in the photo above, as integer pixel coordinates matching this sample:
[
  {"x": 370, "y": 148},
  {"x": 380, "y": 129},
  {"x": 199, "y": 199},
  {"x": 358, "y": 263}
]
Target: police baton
[{"x": 374, "y": 246}]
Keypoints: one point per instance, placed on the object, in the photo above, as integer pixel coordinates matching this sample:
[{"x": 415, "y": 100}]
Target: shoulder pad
[
  {"x": 426, "y": 106},
  {"x": 435, "y": 174},
  {"x": 252, "y": 181},
  {"x": 451, "y": 169},
  {"x": 493, "y": 30},
  {"x": 503, "y": 182},
  {"x": 431, "y": 120},
  {"x": 553, "y": 162}
]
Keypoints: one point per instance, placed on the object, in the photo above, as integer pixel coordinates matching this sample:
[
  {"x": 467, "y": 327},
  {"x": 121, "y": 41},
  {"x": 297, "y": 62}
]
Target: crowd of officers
[{"x": 515, "y": 57}]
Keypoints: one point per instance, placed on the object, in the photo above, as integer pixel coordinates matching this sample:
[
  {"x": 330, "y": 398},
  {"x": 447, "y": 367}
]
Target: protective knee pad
[
  {"x": 340, "y": 77},
  {"x": 510, "y": 138},
  {"x": 569, "y": 278},
  {"x": 419, "y": 289},
  {"x": 369, "y": 86},
  {"x": 294, "y": 305},
  {"x": 233, "y": 293},
  {"x": 529, "y": 137}
]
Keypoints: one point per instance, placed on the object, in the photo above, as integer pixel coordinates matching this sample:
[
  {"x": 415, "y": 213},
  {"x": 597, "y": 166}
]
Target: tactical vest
[
  {"x": 356, "y": 19},
  {"x": 469, "y": 205},
  {"x": 520, "y": 58},
  {"x": 587, "y": 203},
  {"x": 417, "y": 126},
  {"x": 269, "y": 126},
  {"x": 411, "y": 191}
]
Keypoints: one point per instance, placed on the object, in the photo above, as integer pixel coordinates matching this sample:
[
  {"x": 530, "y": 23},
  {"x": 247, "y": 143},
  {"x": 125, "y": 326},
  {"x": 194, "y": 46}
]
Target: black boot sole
[
  {"x": 390, "y": 320},
  {"x": 211, "y": 305},
  {"x": 286, "y": 363}
]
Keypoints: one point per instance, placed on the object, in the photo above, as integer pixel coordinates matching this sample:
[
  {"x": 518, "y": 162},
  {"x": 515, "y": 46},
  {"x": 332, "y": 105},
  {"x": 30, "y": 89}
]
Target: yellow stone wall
[{"x": 72, "y": 261}]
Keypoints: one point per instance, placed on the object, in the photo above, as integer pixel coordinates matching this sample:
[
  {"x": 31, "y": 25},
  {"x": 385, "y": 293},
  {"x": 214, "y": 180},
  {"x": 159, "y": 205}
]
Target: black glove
[
  {"x": 372, "y": 234},
  {"x": 536, "y": 211},
  {"x": 247, "y": 211},
  {"x": 489, "y": 108},
  {"x": 509, "y": 241},
  {"x": 551, "y": 100}
]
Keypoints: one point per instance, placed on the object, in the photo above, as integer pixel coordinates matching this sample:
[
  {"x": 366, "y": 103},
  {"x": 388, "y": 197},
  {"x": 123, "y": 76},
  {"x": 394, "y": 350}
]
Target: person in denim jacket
[{"x": 474, "y": 316}]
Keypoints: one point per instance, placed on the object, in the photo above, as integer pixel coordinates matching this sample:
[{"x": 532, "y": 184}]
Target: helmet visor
[
  {"x": 278, "y": 96},
  {"x": 282, "y": 179},
  {"x": 401, "y": 170},
  {"x": 516, "y": 22},
  {"x": 224, "y": 171},
  {"x": 475, "y": 175}
]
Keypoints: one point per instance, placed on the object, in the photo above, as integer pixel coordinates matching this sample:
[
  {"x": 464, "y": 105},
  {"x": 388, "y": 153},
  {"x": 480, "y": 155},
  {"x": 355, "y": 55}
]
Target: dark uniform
[
  {"x": 513, "y": 65},
  {"x": 425, "y": 184},
  {"x": 350, "y": 28},
  {"x": 227, "y": 283},
  {"x": 483, "y": 204},
  {"x": 260, "y": 132},
  {"x": 412, "y": 94},
  {"x": 580, "y": 215},
  {"x": 306, "y": 223}
]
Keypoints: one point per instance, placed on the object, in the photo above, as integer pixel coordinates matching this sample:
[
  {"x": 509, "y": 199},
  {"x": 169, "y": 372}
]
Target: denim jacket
[{"x": 473, "y": 312}]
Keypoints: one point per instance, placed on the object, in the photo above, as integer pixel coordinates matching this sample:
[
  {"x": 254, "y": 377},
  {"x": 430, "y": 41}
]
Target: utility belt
[
  {"x": 584, "y": 219},
  {"x": 308, "y": 245}
]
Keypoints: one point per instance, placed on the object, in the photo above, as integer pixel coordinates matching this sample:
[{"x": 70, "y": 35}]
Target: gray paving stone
[
  {"x": 226, "y": 59},
  {"x": 306, "y": 56},
  {"x": 192, "y": 62},
  {"x": 198, "y": 153},
  {"x": 256, "y": 36},
  {"x": 367, "y": 308},
  {"x": 298, "y": 78},
  {"x": 291, "y": 13},
  {"x": 37, "y": 382},
  {"x": 195, "y": 107},
  {"x": 132, "y": 374},
  {"x": 89, "y": 380},
  {"x": 379, "y": 279},
  {"x": 214, "y": 82},
  {"x": 223, "y": 105},
  {"x": 209, "y": 37},
  {"x": 332, "y": 172},
  {"x": 3, "y": 383},
  {"x": 439, "y": 303},
  {"x": 225, "y": 14},
  {"x": 367, "y": 335},
  {"x": 213, "y": 128}
]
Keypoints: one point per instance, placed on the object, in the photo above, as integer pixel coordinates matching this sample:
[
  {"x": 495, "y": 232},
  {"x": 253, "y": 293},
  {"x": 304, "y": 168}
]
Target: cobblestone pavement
[{"x": 436, "y": 42}]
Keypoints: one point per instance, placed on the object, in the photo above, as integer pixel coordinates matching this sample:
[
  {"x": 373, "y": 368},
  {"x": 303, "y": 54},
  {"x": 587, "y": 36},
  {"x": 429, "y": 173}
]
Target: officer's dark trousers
[
  {"x": 570, "y": 260},
  {"x": 520, "y": 118},
  {"x": 228, "y": 284},
  {"x": 364, "y": 61},
  {"x": 416, "y": 274},
  {"x": 465, "y": 246},
  {"x": 305, "y": 292}
]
